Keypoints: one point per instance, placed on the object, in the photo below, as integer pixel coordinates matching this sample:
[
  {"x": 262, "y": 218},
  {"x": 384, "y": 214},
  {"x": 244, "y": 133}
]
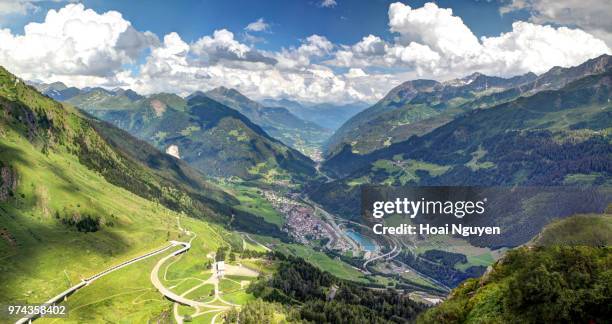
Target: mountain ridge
[
  {"x": 279, "y": 122},
  {"x": 405, "y": 111},
  {"x": 210, "y": 136}
]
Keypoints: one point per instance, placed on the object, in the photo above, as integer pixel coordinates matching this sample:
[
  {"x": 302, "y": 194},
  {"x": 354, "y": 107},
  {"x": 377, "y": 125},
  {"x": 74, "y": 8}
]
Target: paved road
[
  {"x": 214, "y": 280},
  {"x": 85, "y": 282},
  {"x": 395, "y": 251},
  {"x": 169, "y": 293},
  {"x": 388, "y": 254},
  {"x": 252, "y": 240}
]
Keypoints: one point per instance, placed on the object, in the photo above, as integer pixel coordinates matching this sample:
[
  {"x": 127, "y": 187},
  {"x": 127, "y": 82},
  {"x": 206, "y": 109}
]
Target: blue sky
[
  {"x": 345, "y": 51},
  {"x": 290, "y": 20}
]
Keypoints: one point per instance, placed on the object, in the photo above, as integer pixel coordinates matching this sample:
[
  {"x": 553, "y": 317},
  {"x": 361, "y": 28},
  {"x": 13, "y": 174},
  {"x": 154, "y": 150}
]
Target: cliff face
[{"x": 8, "y": 182}]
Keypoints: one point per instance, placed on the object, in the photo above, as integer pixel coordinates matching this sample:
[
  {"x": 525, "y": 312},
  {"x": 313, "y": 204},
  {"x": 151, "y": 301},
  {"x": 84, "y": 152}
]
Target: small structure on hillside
[{"x": 220, "y": 268}]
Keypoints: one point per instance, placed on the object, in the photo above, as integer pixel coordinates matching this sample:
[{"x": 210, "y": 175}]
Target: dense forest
[
  {"x": 317, "y": 296},
  {"x": 440, "y": 265},
  {"x": 559, "y": 284}
]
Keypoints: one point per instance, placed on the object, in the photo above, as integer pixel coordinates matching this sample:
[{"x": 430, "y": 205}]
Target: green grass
[
  {"x": 184, "y": 285},
  {"x": 204, "y": 293},
  {"x": 226, "y": 285},
  {"x": 253, "y": 202},
  {"x": 578, "y": 179},
  {"x": 239, "y": 278},
  {"x": 319, "y": 259},
  {"x": 124, "y": 296},
  {"x": 193, "y": 264},
  {"x": 485, "y": 259},
  {"x": 207, "y": 318},
  {"x": 45, "y": 247},
  {"x": 239, "y": 297},
  {"x": 405, "y": 171},
  {"x": 248, "y": 245},
  {"x": 43, "y": 257},
  {"x": 475, "y": 163},
  {"x": 591, "y": 230}
]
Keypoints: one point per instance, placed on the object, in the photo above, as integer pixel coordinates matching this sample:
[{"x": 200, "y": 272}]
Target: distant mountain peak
[
  {"x": 57, "y": 85},
  {"x": 195, "y": 94},
  {"x": 229, "y": 92}
]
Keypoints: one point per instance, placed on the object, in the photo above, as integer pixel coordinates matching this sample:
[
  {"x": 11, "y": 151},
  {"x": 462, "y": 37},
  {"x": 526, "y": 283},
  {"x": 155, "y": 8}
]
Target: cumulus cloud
[
  {"x": 73, "y": 44},
  {"x": 258, "y": 26},
  {"x": 12, "y": 7},
  {"x": 593, "y": 16},
  {"x": 435, "y": 27},
  {"x": 174, "y": 67},
  {"x": 433, "y": 42},
  {"x": 314, "y": 46},
  {"x": 223, "y": 46}
]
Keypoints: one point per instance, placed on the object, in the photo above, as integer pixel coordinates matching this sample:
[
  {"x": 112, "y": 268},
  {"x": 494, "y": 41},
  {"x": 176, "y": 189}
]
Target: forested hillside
[
  {"x": 279, "y": 122},
  {"x": 556, "y": 281}
]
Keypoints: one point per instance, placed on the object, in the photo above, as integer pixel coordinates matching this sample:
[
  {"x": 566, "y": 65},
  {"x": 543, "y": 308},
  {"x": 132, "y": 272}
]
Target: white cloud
[
  {"x": 11, "y": 8},
  {"x": 328, "y": 3},
  {"x": 593, "y": 16},
  {"x": 314, "y": 46},
  {"x": 223, "y": 46},
  {"x": 432, "y": 26},
  {"x": 434, "y": 43},
  {"x": 174, "y": 67},
  {"x": 258, "y": 26},
  {"x": 84, "y": 48},
  {"x": 73, "y": 45}
]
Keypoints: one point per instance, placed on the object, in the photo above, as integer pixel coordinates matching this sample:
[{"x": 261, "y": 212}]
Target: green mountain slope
[
  {"x": 99, "y": 98},
  {"x": 558, "y": 137},
  {"x": 76, "y": 197},
  {"x": 556, "y": 282},
  {"x": 417, "y": 107},
  {"x": 49, "y": 126},
  {"x": 211, "y": 137},
  {"x": 279, "y": 122},
  {"x": 393, "y": 118},
  {"x": 590, "y": 230}
]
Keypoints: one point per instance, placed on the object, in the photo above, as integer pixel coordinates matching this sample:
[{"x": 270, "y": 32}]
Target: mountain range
[
  {"x": 417, "y": 107},
  {"x": 213, "y": 138},
  {"x": 551, "y": 138},
  {"x": 280, "y": 123}
]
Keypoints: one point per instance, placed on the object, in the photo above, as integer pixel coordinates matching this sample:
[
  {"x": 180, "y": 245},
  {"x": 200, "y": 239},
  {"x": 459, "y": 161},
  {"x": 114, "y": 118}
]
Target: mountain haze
[
  {"x": 328, "y": 115},
  {"x": 279, "y": 122}
]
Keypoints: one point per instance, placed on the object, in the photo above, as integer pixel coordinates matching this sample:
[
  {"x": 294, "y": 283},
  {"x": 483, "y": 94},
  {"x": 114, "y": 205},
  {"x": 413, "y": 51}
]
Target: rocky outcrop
[{"x": 8, "y": 182}]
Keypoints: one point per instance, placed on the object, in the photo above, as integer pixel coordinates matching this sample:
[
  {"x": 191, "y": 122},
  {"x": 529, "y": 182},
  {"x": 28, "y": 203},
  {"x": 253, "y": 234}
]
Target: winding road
[
  {"x": 85, "y": 282},
  {"x": 211, "y": 306}
]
